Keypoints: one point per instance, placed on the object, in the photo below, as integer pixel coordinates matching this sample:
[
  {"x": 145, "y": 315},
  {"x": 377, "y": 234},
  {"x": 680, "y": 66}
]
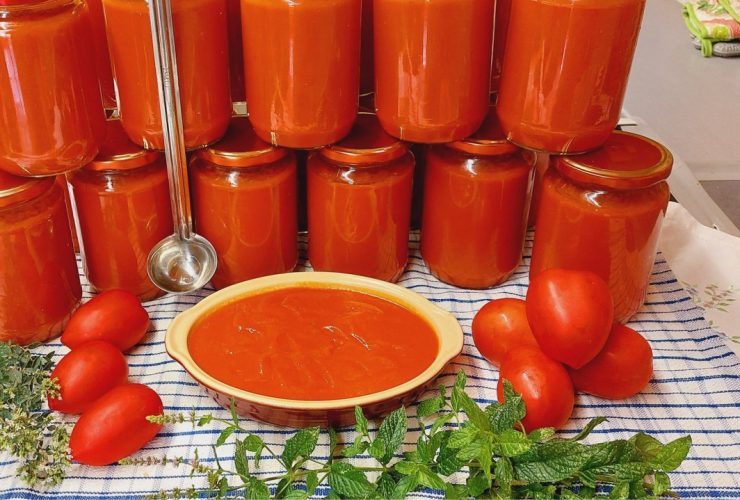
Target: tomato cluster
[
  {"x": 561, "y": 339},
  {"x": 93, "y": 380}
]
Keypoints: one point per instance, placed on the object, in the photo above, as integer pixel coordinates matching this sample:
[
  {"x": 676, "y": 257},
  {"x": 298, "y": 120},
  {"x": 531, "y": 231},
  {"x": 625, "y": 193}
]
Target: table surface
[{"x": 695, "y": 390}]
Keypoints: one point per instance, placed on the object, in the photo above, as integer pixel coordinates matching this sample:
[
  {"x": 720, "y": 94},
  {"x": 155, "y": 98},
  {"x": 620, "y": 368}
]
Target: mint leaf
[
  {"x": 460, "y": 380},
  {"x": 463, "y": 436},
  {"x": 508, "y": 413},
  {"x": 647, "y": 446},
  {"x": 673, "y": 454},
  {"x": 542, "y": 435},
  {"x": 406, "y": 468},
  {"x": 283, "y": 487},
  {"x": 377, "y": 450},
  {"x": 477, "y": 483},
  {"x": 361, "y": 424},
  {"x": 204, "y": 420},
  {"x": 485, "y": 456},
  {"x": 455, "y": 492},
  {"x": 253, "y": 443},
  {"x": 332, "y": 443},
  {"x": 312, "y": 482},
  {"x": 621, "y": 491},
  {"x": 566, "y": 494},
  {"x": 405, "y": 485},
  {"x": 300, "y": 445},
  {"x": 458, "y": 388},
  {"x": 588, "y": 428},
  {"x": 661, "y": 484},
  {"x": 447, "y": 461},
  {"x": 504, "y": 475},
  {"x": 386, "y": 485},
  {"x": 551, "y": 462},
  {"x": 476, "y": 416},
  {"x": 391, "y": 432},
  {"x": 241, "y": 463},
  {"x": 224, "y": 435},
  {"x": 441, "y": 421},
  {"x": 429, "y": 479},
  {"x": 257, "y": 489},
  {"x": 356, "y": 448},
  {"x": 511, "y": 443},
  {"x": 296, "y": 495},
  {"x": 470, "y": 451},
  {"x": 429, "y": 407},
  {"x": 348, "y": 481}
]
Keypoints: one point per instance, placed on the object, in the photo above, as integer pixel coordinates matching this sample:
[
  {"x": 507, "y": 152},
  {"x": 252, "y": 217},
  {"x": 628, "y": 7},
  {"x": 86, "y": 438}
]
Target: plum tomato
[
  {"x": 544, "y": 385},
  {"x": 622, "y": 369},
  {"x": 115, "y": 316},
  {"x": 115, "y": 426},
  {"x": 499, "y": 326},
  {"x": 570, "y": 313},
  {"x": 86, "y": 374}
]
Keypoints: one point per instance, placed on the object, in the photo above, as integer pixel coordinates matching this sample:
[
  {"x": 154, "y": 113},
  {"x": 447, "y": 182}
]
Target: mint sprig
[{"x": 456, "y": 435}]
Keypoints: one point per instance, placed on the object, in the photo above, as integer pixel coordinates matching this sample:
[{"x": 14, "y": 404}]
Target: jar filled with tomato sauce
[
  {"x": 302, "y": 63},
  {"x": 51, "y": 115},
  {"x": 102, "y": 55},
  {"x": 476, "y": 202},
  {"x": 432, "y": 67},
  {"x": 201, "y": 43},
  {"x": 359, "y": 203},
  {"x": 602, "y": 212},
  {"x": 244, "y": 201},
  {"x": 563, "y": 83},
  {"x": 39, "y": 280},
  {"x": 123, "y": 209}
]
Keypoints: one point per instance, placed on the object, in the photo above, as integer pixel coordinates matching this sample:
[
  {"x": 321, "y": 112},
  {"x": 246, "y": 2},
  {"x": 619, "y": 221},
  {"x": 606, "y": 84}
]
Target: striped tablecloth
[{"x": 695, "y": 390}]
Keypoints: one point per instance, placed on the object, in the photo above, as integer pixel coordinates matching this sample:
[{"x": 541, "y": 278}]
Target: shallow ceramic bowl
[{"x": 339, "y": 412}]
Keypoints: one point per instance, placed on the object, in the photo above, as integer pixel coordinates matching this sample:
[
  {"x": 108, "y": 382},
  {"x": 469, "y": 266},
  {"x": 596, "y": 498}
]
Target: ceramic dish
[{"x": 338, "y": 412}]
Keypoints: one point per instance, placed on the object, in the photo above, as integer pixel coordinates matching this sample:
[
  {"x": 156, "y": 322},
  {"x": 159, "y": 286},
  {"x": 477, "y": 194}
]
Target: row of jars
[
  {"x": 560, "y": 91},
  {"x": 600, "y": 211}
]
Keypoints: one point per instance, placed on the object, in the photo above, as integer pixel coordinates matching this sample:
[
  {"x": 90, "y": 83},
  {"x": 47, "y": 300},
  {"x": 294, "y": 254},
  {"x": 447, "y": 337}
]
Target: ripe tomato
[
  {"x": 87, "y": 373},
  {"x": 500, "y": 326},
  {"x": 622, "y": 369},
  {"x": 115, "y": 316},
  {"x": 115, "y": 426},
  {"x": 571, "y": 314},
  {"x": 544, "y": 385}
]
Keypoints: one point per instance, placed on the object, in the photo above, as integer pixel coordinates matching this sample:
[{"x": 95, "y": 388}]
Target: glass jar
[
  {"x": 562, "y": 88},
  {"x": 476, "y": 205},
  {"x": 541, "y": 164},
  {"x": 123, "y": 209},
  {"x": 62, "y": 181},
  {"x": 500, "y": 28},
  {"x": 39, "y": 279},
  {"x": 236, "y": 57},
  {"x": 201, "y": 42},
  {"x": 102, "y": 55},
  {"x": 602, "y": 212},
  {"x": 367, "y": 59},
  {"x": 51, "y": 117},
  {"x": 432, "y": 67},
  {"x": 244, "y": 202},
  {"x": 359, "y": 203},
  {"x": 301, "y": 63}
]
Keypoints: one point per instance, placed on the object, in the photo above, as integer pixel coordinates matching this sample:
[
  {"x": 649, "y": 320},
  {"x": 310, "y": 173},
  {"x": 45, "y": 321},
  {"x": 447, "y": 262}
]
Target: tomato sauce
[
  {"x": 102, "y": 55},
  {"x": 432, "y": 67},
  {"x": 244, "y": 198},
  {"x": 500, "y": 29},
  {"x": 236, "y": 57},
  {"x": 51, "y": 116},
  {"x": 476, "y": 205},
  {"x": 39, "y": 280},
  {"x": 123, "y": 207},
  {"x": 563, "y": 83},
  {"x": 312, "y": 344},
  {"x": 602, "y": 212},
  {"x": 201, "y": 41},
  {"x": 359, "y": 203},
  {"x": 367, "y": 57},
  {"x": 302, "y": 69}
]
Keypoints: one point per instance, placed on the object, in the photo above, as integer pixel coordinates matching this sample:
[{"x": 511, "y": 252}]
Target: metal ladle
[{"x": 184, "y": 261}]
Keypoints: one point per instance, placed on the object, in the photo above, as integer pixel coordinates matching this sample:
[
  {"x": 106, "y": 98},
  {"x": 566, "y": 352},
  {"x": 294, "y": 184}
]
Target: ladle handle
[{"x": 165, "y": 61}]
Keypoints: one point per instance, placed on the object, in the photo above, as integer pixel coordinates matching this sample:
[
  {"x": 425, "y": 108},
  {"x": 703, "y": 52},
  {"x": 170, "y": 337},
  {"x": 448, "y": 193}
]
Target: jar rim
[
  {"x": 241, "y": 147},
  {"x": 488, "y": 140},
  {"x": 367, "y": 143},
  {"x": 118, "y": 153},
  {"x": 15, "y": 190}
]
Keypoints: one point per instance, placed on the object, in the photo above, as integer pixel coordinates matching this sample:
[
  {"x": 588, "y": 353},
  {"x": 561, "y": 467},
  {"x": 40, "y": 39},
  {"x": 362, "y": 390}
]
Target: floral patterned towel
[{"x": 712, "y": 21}]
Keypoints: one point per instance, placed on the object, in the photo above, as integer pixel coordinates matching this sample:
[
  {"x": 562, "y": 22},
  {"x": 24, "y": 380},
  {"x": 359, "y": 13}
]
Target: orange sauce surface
[
  {"x": 475, "y": 215},
  {"x": 122, "y": 215},
  {"x": 39, "y": 280},
  {"x": 302, "y": 69},
  {"x": 102, "y": 56},
  {"x": 358, "y": 217},
  {"x": 249, "y": 214},
  {"x": 51, "y": 116},
  {"x": 201, "y": 40},
  {"x": 611, "y": 233},
  {"x": 312, "y": 344},
  {"x": 432, "y": 67},
  {"x": 564, "y": 80}
]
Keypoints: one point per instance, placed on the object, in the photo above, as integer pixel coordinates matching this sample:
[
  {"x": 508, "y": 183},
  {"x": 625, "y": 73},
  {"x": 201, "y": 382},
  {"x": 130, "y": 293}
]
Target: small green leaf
[
  {"x": 312, "y": 482},
  {"x": 566, "y": 494},
  {"x": 240, "y": 460},
  {"x": 476, "y": 416},
  {"x": 258, "y": 490},
  {"x": 295, "y": 495},
  {"x": 234, "y": 416},
  {"x": 283, "y": 487},
  {"x": 429, "y": 479},
  {"x": 391, "y": 432},
  {"x": 551, "y": 462},
  {"x": 361, "y": 424},
  {"x": 477, "y": 483},
  {"x": 333, "y": 495},
  {"x": 405, "y": 485},
  {"x": 511, "y": 443},
  {"x": 673, "y": 454},
  {"x": 661, "y": 484},
  {"x": 253, "y": 443},
  {"x": 356, "y": 448},
  {"x": 377, "y": 450},
  {"x": 224, "y": 435},
  {"x": 637, "y": 488},
  {"x": 647, "y": 446},
  {"x": 504, "y": 475},
  {"x": 463, "y": 436},
  {"x": 406, "y": 468},
  {"x": 204, "y": 420},
  {"x": 429, "y": 407},
  {"x": 508, "y": 413},
  {"x": 588, "y": 428},
  {"x": 621, "y": 491},
  {"x": 332, "y": 443},
  {"x": 348, "y": 481},
  {"x": 447, "y": 461},
  {"x": 385, "y": 485},
  {"x": 460, "y": 380},
  {"x": 301, "y": 444},
  {"x": 470, "y": 451},
  {"x": 542, "y": 435},
  {"x": 441, "y": 421},
  {"x": 455, "y": 492}
]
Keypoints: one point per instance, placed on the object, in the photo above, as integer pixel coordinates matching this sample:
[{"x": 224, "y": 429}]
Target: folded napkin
[{"x": 712, "y": 21}]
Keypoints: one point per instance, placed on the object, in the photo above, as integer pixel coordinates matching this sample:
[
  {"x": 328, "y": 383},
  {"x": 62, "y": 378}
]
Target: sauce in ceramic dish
[{"x": 312, "y": 344}]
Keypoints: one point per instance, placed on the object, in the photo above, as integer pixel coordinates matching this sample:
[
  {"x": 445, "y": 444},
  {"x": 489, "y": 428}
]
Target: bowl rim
[{"x": 445, "y": 326}]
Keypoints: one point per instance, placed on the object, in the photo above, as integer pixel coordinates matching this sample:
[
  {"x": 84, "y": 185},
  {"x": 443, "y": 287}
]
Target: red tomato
[
  {"x": 115, "y": 316},
  {"x": 571, "y": 314},
  {"x": 622, "y": 369},
  {"x": 87, "y": 373},
  {"x": 544, "y": 385},
  {"x": 115, "y": 426},
  {"x": 500, "y": 326}
]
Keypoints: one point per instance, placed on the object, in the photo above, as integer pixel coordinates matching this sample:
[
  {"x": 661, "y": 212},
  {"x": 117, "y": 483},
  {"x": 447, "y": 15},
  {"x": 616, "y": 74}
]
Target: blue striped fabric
[{"x": 695, "y": 390}]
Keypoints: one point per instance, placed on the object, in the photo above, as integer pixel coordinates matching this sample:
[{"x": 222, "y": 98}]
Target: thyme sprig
[{"x": 488, "y": 444}]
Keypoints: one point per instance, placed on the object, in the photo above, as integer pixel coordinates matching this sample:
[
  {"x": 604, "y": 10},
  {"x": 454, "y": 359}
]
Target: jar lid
[
  {"x": 489, "y": 140},
  {"x": 14, "y": 190},
  {"x": 625, "y": 161},
  {"x": 118, "y": 152},
  {"x": 241, "y": 147},
  {"x": 367, "y": 142}
]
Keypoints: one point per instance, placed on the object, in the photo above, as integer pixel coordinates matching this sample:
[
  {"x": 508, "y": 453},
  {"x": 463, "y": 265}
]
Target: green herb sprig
[
  {"x": 38, "y": 439},
  {"x": 488, "y": 445}
]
